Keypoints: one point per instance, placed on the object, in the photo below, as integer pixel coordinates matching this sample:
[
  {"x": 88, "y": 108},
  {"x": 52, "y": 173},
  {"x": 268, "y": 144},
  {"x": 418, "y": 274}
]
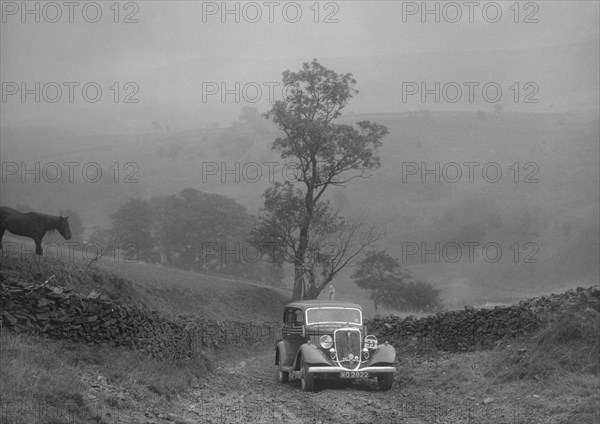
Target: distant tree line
[
  {"x": 393, "y": 286},
  {"x": 192, "y": 230}
]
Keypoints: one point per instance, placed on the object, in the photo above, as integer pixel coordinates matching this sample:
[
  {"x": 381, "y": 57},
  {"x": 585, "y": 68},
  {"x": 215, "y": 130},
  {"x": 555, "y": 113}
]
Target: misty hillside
[{"x": 546, "y": 199}]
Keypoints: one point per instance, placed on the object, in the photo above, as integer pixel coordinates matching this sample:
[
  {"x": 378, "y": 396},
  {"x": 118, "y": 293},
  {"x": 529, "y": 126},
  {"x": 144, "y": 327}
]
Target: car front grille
[{"x": 347, "y": 343}]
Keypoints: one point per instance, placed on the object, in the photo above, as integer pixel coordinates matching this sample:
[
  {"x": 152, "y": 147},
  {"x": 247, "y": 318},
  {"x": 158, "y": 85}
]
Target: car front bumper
[{"x": 329, "y": 370}]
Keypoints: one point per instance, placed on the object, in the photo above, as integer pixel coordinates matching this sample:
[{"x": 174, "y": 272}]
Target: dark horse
[{"x": 33, "y": 225}]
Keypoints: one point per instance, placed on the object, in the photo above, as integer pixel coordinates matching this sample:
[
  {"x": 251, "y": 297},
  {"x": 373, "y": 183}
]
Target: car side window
[{"x": 290, "y": 317}]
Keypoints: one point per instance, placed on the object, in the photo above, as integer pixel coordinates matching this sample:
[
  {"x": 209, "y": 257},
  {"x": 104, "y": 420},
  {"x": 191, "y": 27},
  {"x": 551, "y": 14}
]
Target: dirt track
[{"x": 247, "y": 391}]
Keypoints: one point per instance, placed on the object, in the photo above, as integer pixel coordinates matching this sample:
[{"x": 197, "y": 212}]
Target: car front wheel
[
  {"x": 385, "y": 381},
  {"x": 284, "y": 376},
  {"x": 307, "y": 380}
]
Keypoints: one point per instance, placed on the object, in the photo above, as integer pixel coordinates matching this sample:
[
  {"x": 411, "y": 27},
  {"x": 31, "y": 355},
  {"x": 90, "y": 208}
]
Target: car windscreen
[{"x": 333, "y": 315}]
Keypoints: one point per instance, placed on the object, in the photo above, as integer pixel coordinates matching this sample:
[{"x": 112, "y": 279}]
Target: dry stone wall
[
  {"x": 63, "y": 314},
  {"x": 471, "y": 328},
  {"x": 549, "y": 307}
]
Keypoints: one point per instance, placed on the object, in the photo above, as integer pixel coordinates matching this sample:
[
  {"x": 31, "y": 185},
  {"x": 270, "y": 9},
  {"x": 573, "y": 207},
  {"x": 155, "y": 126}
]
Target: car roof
[{"x": 305, "y": 304}]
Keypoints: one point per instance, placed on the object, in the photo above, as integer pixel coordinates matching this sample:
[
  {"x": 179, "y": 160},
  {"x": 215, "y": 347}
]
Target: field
[
  {"x": 169, "y": 291},
  {"x": 550, "y": 377}
]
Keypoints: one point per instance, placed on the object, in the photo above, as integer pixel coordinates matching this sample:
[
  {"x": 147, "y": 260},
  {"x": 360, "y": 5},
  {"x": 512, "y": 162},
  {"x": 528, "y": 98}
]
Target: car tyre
[
  {"x": 385, "y": 381},
  {"x": 307, "y": 380},
  {"x": 284, "y": 376}
]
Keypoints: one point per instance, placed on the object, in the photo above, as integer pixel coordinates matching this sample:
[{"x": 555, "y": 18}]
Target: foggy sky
[{"x": 170, "y": 52}]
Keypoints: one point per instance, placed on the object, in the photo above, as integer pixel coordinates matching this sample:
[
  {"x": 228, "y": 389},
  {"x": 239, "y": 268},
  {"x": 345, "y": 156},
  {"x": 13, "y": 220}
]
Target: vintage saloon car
[{"x": 328, "y": 339}]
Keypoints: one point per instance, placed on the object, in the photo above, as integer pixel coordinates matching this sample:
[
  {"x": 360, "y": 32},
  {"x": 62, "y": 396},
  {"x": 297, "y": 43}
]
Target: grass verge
[
  {"x": 49, "y": 381},
  {"x": 552, "y": 376}
]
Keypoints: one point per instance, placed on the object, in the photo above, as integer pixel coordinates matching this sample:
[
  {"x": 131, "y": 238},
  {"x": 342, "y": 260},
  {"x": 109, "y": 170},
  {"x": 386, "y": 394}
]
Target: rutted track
[{"x": 247, "y": 391}]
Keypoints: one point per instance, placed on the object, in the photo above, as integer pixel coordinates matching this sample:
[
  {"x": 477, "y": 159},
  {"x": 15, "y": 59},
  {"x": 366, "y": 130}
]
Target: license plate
[{"x": 354, "y": 374}]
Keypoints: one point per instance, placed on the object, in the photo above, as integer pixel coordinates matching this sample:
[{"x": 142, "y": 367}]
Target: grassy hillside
[
  {"x": 170, "y": 292},
  {"x": 556, "y": 210}
]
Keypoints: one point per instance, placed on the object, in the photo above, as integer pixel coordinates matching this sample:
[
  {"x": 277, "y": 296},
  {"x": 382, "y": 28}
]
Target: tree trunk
[
  {"x": 298, "y": 282},
  {"x": 312, "y": 293},
  {"x": 303, "y": 239}
]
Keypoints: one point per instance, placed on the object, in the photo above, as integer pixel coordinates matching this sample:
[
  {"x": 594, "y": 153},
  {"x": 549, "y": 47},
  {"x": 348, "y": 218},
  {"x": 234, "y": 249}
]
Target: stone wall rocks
[
  {"x": 473, "y": 328},
  {"x": 62, "y": 314}
]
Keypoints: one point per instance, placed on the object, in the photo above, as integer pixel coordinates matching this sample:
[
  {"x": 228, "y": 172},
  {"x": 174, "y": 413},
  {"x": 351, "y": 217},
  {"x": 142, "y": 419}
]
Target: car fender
[
  {"x": 384, "y": 354},
  {"x": 284, "y": 354},
  {"x": 312, "y": 354}
]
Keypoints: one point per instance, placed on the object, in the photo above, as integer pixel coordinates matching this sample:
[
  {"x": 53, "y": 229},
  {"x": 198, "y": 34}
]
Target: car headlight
[{"x": 326, "y": 341}]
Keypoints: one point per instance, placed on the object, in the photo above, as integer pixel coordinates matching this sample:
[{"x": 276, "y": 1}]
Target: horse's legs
[
  {"x": 38, "y": 246},
  {"x": 1, "y": 235}
]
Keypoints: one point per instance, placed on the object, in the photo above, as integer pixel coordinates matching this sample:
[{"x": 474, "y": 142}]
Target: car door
[
  {"x": 293, "y": 325},
  {"x": 292, "y": 333}
]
